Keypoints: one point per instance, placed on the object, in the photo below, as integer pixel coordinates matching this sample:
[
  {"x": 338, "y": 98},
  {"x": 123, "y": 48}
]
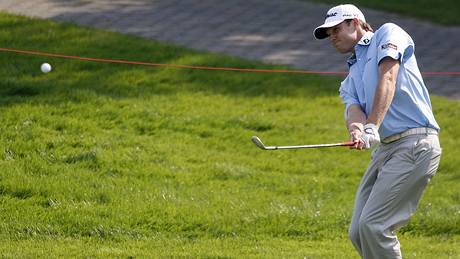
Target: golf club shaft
[
  {"x": 260, "y": 144},
  {"x": 346, "y": 144}
]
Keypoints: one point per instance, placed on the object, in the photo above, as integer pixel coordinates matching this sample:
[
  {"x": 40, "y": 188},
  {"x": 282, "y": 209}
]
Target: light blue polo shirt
[{"x": 411, "y": 106}]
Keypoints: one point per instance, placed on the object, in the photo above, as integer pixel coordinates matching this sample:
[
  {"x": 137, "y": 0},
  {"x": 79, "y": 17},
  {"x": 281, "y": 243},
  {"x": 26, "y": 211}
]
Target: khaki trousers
[{"x": 389, "y": 193}]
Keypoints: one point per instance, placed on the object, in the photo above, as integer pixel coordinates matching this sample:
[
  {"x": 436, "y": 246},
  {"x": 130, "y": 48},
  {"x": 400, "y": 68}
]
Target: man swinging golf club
[{"x": 386, "y": 102}]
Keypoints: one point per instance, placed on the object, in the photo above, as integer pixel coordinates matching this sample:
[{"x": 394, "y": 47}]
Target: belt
[{"x": 414, "y": 131}]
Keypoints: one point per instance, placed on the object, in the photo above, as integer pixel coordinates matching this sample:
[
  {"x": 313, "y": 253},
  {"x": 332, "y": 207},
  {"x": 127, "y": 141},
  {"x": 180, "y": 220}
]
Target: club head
[{"x": 259, "y": 143}]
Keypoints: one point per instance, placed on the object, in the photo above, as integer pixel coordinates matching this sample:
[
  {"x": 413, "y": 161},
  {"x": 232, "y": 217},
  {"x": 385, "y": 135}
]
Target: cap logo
[{"x": 331, "y": 15}]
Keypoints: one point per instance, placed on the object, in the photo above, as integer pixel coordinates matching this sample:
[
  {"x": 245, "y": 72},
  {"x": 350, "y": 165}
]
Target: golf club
[{"x": 261, "y": 145}]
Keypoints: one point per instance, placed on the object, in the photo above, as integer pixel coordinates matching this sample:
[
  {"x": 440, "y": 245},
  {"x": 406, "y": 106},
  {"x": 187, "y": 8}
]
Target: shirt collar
[
  {"x": 364, "y": 41},
  {"x": 351, "y": 60}
]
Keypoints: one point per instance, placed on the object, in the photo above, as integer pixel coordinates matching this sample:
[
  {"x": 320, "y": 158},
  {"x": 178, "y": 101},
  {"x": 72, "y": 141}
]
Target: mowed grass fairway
[{"x": 112, "y": 160}]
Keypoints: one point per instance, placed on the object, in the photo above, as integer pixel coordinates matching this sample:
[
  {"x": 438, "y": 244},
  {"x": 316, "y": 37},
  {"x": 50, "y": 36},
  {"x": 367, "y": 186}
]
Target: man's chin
[{"x": 342, "y": 51}]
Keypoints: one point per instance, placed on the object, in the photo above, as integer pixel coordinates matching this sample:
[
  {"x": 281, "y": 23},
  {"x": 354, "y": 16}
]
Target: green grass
[
  {"x": 110, "y": 160},
  {"x": 443, "y": 12}
]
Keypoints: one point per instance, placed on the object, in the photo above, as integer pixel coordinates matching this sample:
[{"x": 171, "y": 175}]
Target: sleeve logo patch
[{"x": 389, "y": 46}]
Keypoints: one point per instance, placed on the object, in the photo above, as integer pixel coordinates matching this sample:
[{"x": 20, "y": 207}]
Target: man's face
[{"x": 343, "y": 36}]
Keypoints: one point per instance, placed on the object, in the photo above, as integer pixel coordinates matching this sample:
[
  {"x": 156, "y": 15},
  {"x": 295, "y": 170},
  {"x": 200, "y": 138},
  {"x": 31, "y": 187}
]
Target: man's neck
[{"x": 359, "y": 35}]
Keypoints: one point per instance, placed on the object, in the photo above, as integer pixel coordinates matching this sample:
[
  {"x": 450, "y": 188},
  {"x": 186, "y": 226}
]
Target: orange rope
[{"x": 192, "y": 67}]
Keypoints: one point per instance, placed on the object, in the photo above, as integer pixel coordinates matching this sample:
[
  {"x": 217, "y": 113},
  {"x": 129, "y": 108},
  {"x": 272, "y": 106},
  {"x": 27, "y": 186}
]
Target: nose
[{"x": 332, "y": 37}]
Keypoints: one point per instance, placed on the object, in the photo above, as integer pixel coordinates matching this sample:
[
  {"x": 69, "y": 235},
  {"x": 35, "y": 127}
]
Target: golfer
[{"x": 387, "y": 106}]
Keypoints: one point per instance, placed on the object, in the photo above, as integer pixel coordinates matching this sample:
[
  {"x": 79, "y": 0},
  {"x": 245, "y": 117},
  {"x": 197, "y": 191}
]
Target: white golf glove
[{"x": 370, "y": 136}]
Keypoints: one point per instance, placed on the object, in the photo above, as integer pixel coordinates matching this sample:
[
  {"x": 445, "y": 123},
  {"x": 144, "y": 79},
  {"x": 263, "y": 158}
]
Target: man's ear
[
  {"x": 357, "y": 26},
  {"x": 355, "y": 22}
]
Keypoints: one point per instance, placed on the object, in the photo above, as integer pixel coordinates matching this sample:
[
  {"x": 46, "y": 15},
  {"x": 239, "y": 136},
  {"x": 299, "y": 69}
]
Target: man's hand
[
  {"x": 370, "y": 136},
  {"x": 356, "y": 132}
]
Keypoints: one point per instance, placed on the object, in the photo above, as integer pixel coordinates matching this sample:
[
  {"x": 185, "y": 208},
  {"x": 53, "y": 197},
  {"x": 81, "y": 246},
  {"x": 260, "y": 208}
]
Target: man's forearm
[
  {"x": 356, "y": 118},
  {"x": 385, "y": 90}
]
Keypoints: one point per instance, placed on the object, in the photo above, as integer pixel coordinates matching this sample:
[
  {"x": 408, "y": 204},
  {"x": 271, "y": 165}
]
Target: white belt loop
[{"x": 409, "y": 132}]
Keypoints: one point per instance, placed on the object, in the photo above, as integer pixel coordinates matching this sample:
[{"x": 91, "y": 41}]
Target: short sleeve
[
  {"x": 348, "y": 94},
  {"x": 394, "y": 42}
]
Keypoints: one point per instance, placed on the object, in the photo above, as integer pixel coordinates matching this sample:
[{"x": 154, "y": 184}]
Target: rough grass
[{"x": 110, "y": 160}]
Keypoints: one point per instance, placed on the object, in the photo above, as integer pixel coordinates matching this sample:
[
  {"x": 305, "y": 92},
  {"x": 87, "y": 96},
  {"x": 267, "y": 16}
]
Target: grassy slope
[
  {"x": 119, "y": 160},
  {"x": 444, "y": 12}
]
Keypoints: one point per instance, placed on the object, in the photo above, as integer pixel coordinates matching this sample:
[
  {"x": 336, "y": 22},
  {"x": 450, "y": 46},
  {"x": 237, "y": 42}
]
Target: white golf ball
[{"x": 45, "y": 67}]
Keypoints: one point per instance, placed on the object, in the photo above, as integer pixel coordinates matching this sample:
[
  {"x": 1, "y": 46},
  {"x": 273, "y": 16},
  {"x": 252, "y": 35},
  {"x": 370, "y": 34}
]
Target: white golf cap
[{"x": 336, "y": 15}]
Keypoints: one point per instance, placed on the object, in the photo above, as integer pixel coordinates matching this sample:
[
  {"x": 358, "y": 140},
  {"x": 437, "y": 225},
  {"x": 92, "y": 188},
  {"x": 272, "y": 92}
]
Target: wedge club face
[{"x": 259, "y": 143}]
